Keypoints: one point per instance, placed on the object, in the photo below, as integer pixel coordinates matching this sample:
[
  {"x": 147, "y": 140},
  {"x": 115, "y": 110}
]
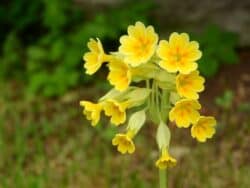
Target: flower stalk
[{"x": 163, "y": 178}]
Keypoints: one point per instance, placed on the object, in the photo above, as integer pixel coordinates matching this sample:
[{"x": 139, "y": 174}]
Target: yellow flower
[
  {"x": 91, "y": 111},
  {"x": 204, "y": 128},
  {"x": 185, "y": 112},
  {"x": 165, "y": 161},
  {"x": 188, "y": 85},
  {"x": 95, "y": 57},
  {"x": 124, "y": 142},
  {"x": 116, "y": 110},
  {"x": 120, "y": 74},
  {"x": 139, "y": 45},
  {"x": 179, "y": 54}
]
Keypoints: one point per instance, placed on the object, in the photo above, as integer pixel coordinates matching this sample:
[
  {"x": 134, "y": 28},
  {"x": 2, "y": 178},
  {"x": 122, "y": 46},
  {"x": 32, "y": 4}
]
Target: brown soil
[{"x": 233, "y": 77}]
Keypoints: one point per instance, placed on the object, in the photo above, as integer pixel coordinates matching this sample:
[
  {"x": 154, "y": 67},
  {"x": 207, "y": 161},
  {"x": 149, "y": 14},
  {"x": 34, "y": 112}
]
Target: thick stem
[
  {"x": 156, "y": 89},
  {"x": 165, "y": 105},
  {"x": 163, "y": 178},
  {"x": 153, "y": 109},
  {"x": 157, "y": 98},
  {"x": 149, "y": 99}
]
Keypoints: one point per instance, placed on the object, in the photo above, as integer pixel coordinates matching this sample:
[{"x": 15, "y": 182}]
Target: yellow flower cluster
[{"x": 172, "y": 86}]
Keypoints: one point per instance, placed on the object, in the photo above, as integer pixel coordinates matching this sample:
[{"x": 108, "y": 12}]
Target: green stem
[
  {"x": 153, "y": 105},
  {"x": 157, "y": 102},
  {"x": 148, "y": 84},
  {"x": 157, "y": 98},
  {"x": 149, "y": 99},
  {"x": 163, "y": 178},
  {"x": 165, "y": 105}
]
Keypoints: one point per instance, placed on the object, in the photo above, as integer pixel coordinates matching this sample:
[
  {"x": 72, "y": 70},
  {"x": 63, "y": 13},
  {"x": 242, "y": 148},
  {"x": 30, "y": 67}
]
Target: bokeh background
[{"x": 46, "y": 142}]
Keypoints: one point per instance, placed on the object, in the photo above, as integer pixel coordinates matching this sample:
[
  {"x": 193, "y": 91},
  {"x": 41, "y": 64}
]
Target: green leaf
[
  {"x": 229, "y": 56},
  {"x": 57, "y": 50},
  {"x": 37, "y": 82},
  {"x": 36, "y": 53},
  {"x": 208, "y": 66},
  {"x": 225, "y": 100}
]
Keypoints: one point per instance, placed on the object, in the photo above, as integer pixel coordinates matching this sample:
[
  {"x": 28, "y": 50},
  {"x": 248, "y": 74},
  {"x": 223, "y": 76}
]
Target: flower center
[
  {"x": 185, "y": 82},
  {"x": 178, "y": 57},
  {"x": 125, "y": 143},
  {"x": 142, "y": 46}
]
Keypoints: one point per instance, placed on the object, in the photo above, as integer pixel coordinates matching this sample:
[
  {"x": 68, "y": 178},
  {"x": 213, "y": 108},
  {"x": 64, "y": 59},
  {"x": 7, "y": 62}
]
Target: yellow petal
[
  {"x": 163, "y": 49},
  {"x": 170, "y": 66},
  {"x": 187, "y": 67}
]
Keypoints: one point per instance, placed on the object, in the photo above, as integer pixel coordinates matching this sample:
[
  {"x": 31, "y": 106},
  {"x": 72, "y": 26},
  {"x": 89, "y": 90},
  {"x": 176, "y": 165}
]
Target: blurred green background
[{"x": 46, "y": 142}]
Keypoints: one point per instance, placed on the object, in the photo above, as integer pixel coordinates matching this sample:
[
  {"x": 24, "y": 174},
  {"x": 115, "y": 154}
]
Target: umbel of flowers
[{"x": 172, "y": 83}]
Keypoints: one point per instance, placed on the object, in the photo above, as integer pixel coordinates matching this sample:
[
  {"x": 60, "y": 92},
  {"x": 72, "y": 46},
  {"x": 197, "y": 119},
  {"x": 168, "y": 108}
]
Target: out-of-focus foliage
[
  {"x": 22, "y": 16},
  {"x": 43, "y": 41},
  {"x": 43, "y": 145},
  {"x": 11, "y": 55},
  {"x": 225, "y": 100},
  {"x": 218, "y": 48}
]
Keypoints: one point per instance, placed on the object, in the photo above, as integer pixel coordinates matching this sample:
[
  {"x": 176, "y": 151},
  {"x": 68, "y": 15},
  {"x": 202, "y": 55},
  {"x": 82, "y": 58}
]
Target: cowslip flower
[
  {"x": 188, "y": 85},
  {"x": 165, "y": 161},
  {"x": 185, "y": 112},
  {"x": 169, "y": 88},
  {"x": 179, "y": 54},
  {"x": 139, "y": 45},
  {"x": 120, "y": 74},
  {"x": 91, "y": 111},
  {"x": 124, "y": 142},
  {"x": 204, "y": 128},
  {"x": 116, "y": 110},
  {"x": 95, "y": 57}
]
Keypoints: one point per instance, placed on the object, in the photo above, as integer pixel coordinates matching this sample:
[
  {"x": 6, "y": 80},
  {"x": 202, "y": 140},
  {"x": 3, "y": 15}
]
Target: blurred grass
[{"x": 47, "y": 143}]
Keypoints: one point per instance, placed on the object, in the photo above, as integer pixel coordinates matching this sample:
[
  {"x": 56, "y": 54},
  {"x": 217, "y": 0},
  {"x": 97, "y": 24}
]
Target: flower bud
[
  {"x": 112, "y": 94},
  {"x": 163, "y": 136},
  {"x": 136, "y": 121},
  {"x": 136, "y": 96}
]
